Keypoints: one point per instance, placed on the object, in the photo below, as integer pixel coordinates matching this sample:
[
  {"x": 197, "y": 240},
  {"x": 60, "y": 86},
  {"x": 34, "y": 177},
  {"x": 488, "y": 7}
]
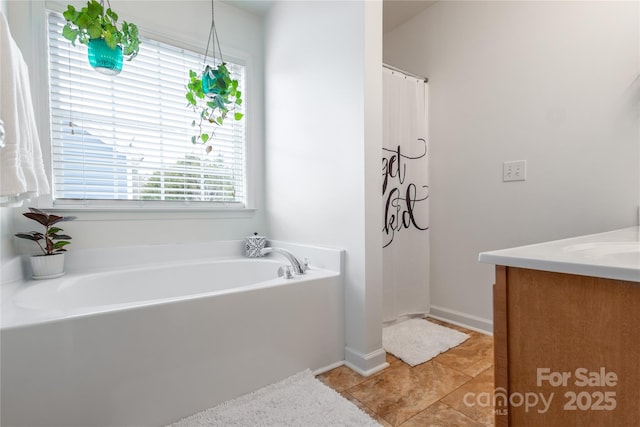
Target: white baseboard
[
  {"x": 465, "y": 320},
  {"x": 328, "y": 368},
  {"x": 365, "y": 364}
]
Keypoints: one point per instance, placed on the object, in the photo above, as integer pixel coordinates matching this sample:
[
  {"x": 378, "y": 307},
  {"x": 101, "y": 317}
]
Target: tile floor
[{"x": 430, "y": 394}]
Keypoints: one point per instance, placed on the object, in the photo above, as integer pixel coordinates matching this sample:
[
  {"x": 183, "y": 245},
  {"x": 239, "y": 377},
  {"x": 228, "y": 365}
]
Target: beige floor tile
[
  {"x": 428, "y": 395},
  {"x": 475, "y": 398},
  {"x": 441, "y": 415},
  {"x": 400, "y": 392},
  {"x": 391, "y": 359},
  {"x": 472, "y": 357},
  {"x": 365, "y": 409},
  {"x": 341, "y": 378}
]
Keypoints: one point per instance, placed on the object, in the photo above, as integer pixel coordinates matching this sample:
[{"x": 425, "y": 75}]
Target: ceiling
[
  {"x": 259, "y": 7},
  {"x": 395, "y": 12}
]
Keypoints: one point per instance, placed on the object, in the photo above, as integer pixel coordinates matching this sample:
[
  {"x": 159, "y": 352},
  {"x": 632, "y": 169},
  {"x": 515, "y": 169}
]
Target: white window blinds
[{"x": 127, "y": 139}]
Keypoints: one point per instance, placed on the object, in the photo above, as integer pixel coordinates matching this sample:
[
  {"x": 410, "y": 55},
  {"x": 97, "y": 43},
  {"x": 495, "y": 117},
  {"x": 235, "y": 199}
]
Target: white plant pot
[{"x": 47, "y": 266}]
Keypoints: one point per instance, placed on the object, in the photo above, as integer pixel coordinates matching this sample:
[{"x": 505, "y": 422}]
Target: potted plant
[
  {"x": 98, "y": 29},
  {"x": 50, "y": 263},
  {"x": 212, "y": 95}
]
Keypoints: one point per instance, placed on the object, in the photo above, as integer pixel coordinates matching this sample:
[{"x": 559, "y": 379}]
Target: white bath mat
[
  {"x": 300, "y": 400},
  {"x": 416, "y": 340}
]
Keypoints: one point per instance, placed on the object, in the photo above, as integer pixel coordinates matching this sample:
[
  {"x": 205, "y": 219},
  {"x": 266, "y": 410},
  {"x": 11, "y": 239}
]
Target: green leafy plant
[
  {"x": 93, "y": 22},
  {"x": 53, "y": 241},
  {"x": 211, "y": 96}
]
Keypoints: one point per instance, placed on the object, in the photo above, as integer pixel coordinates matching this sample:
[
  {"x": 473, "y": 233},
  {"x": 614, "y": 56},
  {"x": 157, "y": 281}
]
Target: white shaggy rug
[
  {"x": 416, "y": 340},
  {"x": 300, "y": 400}
]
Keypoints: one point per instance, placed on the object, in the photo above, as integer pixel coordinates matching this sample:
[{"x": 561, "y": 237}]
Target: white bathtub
[{"x": 145, "y": 346}]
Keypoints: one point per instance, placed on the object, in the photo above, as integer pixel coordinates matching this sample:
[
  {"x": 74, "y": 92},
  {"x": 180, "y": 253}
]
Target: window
[{"x": 126, "y": 140}]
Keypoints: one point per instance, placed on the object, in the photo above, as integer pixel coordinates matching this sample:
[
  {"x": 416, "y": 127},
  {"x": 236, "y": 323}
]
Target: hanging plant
[
  {"x": 213, "y": 93},
  {"x": 98, "y": 29}
]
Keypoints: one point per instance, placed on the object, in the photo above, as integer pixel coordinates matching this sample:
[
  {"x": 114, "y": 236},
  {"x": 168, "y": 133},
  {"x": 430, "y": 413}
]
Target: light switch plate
[{"x": 514, "y": 170}]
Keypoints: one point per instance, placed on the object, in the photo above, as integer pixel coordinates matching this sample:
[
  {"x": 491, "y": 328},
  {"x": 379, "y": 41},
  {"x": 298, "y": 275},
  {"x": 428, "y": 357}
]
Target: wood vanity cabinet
[{"x": 567, "y": 350}]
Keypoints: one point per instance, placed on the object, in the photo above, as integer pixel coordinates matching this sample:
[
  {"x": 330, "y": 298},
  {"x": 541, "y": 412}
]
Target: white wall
[
  {"x": 323, "y": 144},
  {"x": 188, "y": 23},
  {"x": 546, "y": 82}
]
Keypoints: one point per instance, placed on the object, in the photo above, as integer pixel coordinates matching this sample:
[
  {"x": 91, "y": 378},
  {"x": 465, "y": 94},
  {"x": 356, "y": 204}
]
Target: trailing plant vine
[
  {"x": 213, "y": 93},
  {"x": 211, "y": 96}
]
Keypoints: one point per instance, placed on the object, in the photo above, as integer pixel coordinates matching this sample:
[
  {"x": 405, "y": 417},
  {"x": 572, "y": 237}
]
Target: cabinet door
[{"x": 572, "y": 349}]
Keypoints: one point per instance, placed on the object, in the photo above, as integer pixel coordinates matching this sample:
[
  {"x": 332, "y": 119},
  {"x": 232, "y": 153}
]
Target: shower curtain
[{"x": 405, "y": 192}]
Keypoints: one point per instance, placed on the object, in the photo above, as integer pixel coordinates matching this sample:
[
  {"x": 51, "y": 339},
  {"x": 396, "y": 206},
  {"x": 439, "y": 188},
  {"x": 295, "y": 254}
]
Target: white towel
[{"x": 22, "y": 173}]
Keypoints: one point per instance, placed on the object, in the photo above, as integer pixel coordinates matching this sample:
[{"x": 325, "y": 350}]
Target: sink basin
[
  {"x": 610, "y": 255},
  {"x": 625, "y": 252}
]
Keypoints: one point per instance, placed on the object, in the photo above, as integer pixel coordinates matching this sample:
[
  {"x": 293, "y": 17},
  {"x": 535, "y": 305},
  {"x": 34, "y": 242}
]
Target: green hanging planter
[
  {"x": 213, "y": 93},
  {"x": 211, "y": 96},
  {"x": 99, "y": 29},
  {"x": 104, "y": 59},
  {"x": 214, "y": 80}
]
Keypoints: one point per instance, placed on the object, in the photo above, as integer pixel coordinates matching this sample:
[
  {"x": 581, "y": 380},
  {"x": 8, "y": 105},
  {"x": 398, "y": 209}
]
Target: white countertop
[{"x": 611, "y": 255}]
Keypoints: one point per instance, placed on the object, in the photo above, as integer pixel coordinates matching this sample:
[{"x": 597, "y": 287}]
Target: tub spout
[{"x": 299, "y": 267}]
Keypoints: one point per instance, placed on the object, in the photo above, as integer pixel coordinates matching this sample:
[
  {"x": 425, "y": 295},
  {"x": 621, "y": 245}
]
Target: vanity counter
[
  {"x": 610, "y": 255},
  {"x": 565, "y": 327}
]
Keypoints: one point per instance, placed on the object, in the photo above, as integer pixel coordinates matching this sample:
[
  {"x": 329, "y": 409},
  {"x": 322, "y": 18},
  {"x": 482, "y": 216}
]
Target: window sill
[{"x": 92, "y": 213}]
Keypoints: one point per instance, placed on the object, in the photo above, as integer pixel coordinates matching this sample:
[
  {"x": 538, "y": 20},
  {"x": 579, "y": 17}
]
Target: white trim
[
  {"x": 465, "y": 320},
  {"x": 405, "y": 316},
  {"x": 328, "y": 368},
  {"x": 135, "y": 214},
  {"x": 366, "y": 364}
]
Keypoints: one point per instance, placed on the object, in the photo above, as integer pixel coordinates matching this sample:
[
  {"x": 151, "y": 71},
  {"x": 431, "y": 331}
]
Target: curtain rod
[{"x": 392, "y": 68}]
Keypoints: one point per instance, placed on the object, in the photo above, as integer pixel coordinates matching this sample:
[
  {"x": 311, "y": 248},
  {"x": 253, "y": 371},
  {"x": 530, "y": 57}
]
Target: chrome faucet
[{"x": 299, "y": 267}]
